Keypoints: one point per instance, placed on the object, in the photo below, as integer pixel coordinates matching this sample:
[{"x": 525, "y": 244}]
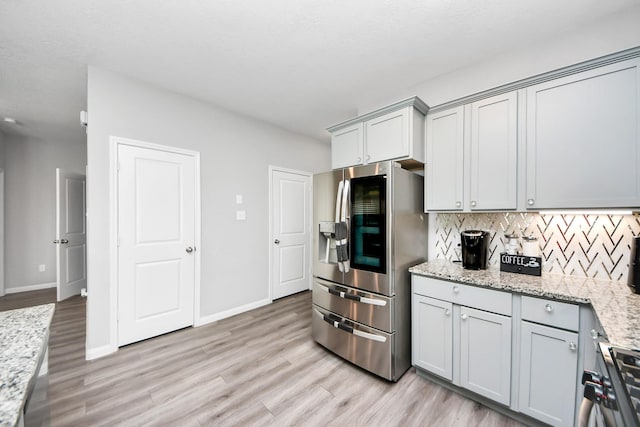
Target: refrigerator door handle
[
  {"x": 338, "y": 226},
  {"x": 343, "y": 219}
]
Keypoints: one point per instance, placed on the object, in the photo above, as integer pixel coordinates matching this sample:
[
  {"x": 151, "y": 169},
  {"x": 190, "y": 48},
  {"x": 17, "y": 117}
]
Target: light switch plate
[
  {"x": 239, "y": 199},
  {"x": 241, "y": 215}
]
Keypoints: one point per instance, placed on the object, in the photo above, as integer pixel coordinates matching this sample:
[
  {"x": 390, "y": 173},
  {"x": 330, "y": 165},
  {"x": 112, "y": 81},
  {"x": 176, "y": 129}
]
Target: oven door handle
[
  {"x": 335, "y": 321},
  {"x": 358, "y": 298}
]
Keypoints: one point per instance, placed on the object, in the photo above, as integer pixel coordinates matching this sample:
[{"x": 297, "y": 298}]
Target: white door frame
[
  {"x": 310, "y": 222},
  {"x": 1, "y": 232},
  {"x": 114, "y": 142}
]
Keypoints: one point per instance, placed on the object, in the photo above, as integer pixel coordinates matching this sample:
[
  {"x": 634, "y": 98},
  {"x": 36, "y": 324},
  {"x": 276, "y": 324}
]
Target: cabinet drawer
[
  {"x": 371, "y": 309},
  {"x": 552, "y": 313},
  {"x": 457, "y": 293}
]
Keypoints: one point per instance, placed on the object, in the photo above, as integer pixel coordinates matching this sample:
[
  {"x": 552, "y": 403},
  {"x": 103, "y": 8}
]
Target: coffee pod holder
[{"x": 531, "y": 265}]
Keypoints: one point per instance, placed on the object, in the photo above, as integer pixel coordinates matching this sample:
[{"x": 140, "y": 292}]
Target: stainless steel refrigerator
[{"x": 369, "y": 229}]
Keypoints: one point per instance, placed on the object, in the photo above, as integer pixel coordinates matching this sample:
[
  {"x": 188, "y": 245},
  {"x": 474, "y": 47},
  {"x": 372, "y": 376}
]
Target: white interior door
[
  {"x": 71, "y": 238},
  {"x": 290, "y": 225},
  {"x": 156, "y": 232}
]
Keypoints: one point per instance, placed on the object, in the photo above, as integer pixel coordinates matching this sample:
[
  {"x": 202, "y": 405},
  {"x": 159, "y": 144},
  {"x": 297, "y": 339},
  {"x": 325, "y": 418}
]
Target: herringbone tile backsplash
[{"x": 596, "y": 246}]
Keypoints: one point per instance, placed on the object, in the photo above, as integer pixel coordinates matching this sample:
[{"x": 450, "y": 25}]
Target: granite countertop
[
  {"x": 617, "y": 307},
  {"x": 24, "y": 336}
]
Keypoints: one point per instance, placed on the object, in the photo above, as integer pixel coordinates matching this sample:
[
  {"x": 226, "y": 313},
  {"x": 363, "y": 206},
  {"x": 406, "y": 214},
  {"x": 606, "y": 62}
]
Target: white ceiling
[{"x": 300, "y": 64}]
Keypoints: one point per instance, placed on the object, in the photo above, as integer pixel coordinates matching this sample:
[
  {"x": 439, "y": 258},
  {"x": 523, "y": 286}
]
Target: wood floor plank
[{"x": 259, "y": 368}]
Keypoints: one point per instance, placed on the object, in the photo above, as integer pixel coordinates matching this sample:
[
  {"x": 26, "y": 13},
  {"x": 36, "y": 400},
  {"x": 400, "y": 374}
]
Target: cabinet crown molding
[
  {"x": 414, "y": 102},
  {"x": 541, "y": 78}
]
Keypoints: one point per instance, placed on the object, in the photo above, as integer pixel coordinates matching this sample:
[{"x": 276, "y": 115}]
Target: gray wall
[
  {"x": 235, "y": 154},
  {"x": 30, "y": 207},
  {"x": 1, "y": 150},
  {"x": 1, "y": 215},
  {"x": 617, "y": 33}
]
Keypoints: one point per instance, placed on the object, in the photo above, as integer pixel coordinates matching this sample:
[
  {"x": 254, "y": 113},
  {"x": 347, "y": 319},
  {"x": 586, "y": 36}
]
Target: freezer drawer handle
[
  {"x": 345, "y": 295},
  {"x": 334, "y": 321}
]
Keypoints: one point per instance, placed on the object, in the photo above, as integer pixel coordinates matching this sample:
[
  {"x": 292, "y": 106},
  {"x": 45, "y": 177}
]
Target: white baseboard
[
  {"x": 203, "y": 320},
  {"x": 95, "y": 353},
  {"x": 29, "y": 288}
]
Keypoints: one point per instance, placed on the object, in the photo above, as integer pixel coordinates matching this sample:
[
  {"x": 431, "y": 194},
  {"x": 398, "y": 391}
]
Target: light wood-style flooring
[{"x": 260, "y": 368}]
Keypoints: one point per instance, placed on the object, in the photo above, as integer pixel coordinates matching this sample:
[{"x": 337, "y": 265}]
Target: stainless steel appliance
[
  {"x": 612, "y": 391},
  {"x": 369, "y": 230},
  {"x": 475, "y": 248}
]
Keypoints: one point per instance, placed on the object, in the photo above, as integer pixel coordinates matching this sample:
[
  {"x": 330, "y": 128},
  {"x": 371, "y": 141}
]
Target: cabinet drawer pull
[
  {"x": 464, "y": 317},
  {"x": 456, "y": 289},
  {"x": 548, "y": 308},
  {"x": 447, "y": 312},
  {"x": 458, "y": 204},
  {"x": 473, "y": 203},
  {"x": 572, "y": 346},
  {"x": 357, "y": 298},
  {"x": 337, "y": 323},
  {"x": 531, "y": 202}
]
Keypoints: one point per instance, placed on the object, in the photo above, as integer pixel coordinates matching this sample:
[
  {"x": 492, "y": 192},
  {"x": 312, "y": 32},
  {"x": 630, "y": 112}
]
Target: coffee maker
[
  {"x": 475, "y": 248},
  {"x": 633, "y": 280}
]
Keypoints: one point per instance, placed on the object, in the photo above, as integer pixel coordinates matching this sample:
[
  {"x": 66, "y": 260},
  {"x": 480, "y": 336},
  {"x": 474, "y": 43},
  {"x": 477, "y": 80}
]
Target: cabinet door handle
[
  {"x": 572, "y": 346},
  {"x": 594, "y": 334},
  {"x": 458, "y": 204},
  {"x": 473, "y": 203},
  {"x": 464, "y": 317},
  {"x": 548, "y": 308},
  {"x": 359, "y": 160},
  {"x": 531, "y": 202},
  {"x": 456, "y": 289},
  {"x": 447, "y": 312}
]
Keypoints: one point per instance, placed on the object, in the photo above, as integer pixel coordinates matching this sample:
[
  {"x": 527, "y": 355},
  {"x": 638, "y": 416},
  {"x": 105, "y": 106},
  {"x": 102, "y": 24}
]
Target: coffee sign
[{"x": 530, "y": 265}]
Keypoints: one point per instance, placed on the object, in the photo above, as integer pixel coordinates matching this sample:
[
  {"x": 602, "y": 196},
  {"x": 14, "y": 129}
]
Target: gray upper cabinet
[
  {"x": 346, "y": 146},
  {"x": 395, "y": 132},
  {"x": 494, "y": 153},
  {"x": 582, "y": 139},
  {"x": 472, "y": 156},
  {"x": 444, "y": 164}
]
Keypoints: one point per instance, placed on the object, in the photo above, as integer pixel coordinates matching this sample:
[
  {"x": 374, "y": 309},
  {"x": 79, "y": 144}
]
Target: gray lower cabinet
[
  {"x": 432, "y": 335},
  {"x": 469, "y": 346},
  {"x": 485, "y": 354},
  {"x": 548, "y": 373},
  {"x": 520, "y": 351}
]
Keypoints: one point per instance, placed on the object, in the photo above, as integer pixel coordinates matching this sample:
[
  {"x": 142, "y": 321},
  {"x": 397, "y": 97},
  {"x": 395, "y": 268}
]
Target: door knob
[
  {"x": 277, "y": 242},
  {"x": 63, "y": 241},
  {"x": 56, "y": 242},
  {"x": 189, "y": 249}
]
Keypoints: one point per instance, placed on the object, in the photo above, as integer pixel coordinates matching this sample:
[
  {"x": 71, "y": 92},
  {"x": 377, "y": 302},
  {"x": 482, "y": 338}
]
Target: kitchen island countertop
[
  {"x": 617, "y": 307},
  {"x": 24, "y": 335}
]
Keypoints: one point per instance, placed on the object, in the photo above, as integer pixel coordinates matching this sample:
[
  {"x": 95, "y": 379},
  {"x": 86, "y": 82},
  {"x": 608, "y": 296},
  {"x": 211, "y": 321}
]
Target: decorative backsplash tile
[{"x": 596, "y": 246}]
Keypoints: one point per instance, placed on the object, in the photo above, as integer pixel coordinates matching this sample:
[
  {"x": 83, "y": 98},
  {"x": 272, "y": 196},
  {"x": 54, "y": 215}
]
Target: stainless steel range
[
  {"x": 369, "y": 230},
  {"x": 612, "y": 392}
]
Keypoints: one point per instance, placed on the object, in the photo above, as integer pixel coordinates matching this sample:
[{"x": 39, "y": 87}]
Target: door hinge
[
  {"x": 118, "y": 167},
  {"x": 118, "y": 241}
]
